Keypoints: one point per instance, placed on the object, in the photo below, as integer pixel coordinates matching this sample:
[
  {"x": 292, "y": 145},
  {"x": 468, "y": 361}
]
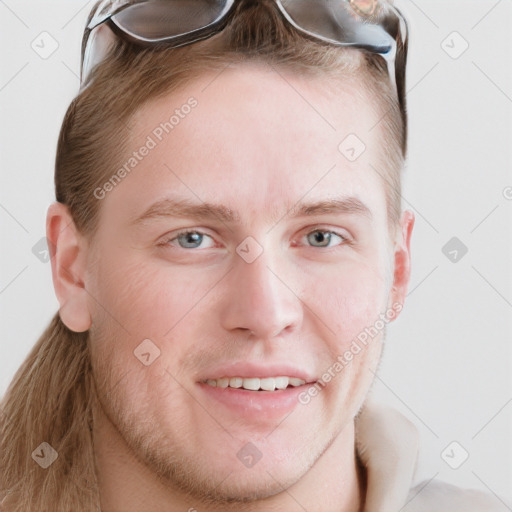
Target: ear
[
  {"x": 68, "y": 256},
  {"x": 402, "y": 261}
]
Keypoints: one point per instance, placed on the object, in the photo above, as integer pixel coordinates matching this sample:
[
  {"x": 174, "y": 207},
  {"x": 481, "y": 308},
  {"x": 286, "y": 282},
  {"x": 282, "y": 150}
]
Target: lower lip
[{"x": 260, "y": 405}]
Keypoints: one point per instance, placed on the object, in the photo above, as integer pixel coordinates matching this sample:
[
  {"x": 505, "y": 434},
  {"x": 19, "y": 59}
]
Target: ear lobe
[
  {"x": 402, "y": 257},
  {"x": 68, "y": 257}
]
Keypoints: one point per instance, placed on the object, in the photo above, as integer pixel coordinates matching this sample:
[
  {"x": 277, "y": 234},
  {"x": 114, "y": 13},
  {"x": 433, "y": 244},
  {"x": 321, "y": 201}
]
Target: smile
[{"x": 255, "y": 383}]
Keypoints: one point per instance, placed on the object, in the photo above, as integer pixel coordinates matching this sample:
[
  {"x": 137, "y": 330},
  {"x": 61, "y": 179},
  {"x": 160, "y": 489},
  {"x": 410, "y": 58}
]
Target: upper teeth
[{"x": 254, "y": 384}]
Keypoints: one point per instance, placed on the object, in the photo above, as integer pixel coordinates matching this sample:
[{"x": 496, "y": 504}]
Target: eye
[
  {"x": 324, "y": 238},
  {"x": 190, "y": 240}
]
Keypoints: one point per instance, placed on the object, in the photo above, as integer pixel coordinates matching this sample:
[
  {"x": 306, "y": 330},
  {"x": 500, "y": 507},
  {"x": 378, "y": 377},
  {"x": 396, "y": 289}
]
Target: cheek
[
  {"x": 136, "y": 300},
  {"x": 349, "y": 299},
  {"x": 358, "y": 301}
]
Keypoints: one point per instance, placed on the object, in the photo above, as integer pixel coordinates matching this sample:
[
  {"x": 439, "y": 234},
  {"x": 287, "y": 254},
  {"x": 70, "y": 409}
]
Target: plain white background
[{"x": 447, "y": 361}]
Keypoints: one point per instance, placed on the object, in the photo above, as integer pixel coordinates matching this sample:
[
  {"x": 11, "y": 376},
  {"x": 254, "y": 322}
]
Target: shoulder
[{"x": 436, "y": 496}]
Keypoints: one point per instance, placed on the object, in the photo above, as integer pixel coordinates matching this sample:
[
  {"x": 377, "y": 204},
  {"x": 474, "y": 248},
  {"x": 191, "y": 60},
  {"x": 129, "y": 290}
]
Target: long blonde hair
[{"x": 52, "y": 395}]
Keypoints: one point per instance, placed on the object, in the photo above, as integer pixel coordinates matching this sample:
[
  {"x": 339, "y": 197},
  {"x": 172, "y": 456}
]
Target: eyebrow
[{"x": 183, "y": 208}]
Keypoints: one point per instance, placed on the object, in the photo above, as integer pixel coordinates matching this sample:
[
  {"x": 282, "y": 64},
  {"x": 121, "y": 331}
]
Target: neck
[{"x": 335, "y": 483}]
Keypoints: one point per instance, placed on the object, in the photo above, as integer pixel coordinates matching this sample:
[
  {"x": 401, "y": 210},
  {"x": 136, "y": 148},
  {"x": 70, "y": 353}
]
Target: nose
[{"x": 260, "y": 298}]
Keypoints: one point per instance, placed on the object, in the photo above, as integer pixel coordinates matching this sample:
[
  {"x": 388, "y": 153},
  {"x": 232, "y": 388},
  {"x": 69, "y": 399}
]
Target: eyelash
[{"x": 344, "y": 239}]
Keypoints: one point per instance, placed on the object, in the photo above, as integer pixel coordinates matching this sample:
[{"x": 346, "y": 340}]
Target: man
[{"x": 244, "y": 235}]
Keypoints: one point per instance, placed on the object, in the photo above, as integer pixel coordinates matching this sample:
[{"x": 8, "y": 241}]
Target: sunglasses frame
[{"x": 394, "y": 54}]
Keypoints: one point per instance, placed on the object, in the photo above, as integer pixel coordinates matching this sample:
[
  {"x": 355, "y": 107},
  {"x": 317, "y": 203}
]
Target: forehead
[{"x": 254, "y": 136}]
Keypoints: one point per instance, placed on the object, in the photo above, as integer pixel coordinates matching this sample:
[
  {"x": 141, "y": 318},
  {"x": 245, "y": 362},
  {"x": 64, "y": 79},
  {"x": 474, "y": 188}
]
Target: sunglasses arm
[{"x": 99, "y": 42}]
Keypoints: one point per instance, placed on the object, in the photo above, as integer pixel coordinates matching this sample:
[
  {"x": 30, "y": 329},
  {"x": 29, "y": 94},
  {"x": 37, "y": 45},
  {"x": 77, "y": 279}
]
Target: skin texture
[{"x": 256, "y": 146}]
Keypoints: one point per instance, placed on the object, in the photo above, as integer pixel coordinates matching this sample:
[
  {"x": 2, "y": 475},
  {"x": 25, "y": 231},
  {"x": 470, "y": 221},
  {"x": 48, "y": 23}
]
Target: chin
[
  {"x": 246, "y": 485},
  {"x": 232, "y": 471}
]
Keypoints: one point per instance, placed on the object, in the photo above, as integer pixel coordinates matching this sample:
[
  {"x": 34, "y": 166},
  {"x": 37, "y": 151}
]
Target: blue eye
[
  {"x": 198, "y": 240},
  {"x": 320, "y": 238},
  {"x": 191, "y": 240}
]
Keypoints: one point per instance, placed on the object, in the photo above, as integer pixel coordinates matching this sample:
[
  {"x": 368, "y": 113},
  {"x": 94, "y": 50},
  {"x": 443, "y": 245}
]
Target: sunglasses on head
[{"x": 370, "y": 25}]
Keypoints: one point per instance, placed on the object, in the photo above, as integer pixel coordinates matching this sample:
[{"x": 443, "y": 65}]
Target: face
[{"x": 242, "y": 249}]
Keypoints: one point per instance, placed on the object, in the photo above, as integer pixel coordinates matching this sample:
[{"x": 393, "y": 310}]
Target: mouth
[
  {"x": 260, "y": 392},
  {"x": 256, "y": 384}
]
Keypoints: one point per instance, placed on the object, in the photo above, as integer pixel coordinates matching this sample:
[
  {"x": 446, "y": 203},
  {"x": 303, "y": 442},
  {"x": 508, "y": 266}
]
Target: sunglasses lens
[
  {"x": 161, "y": 19},
  {"x": 339, "y": 22}
]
